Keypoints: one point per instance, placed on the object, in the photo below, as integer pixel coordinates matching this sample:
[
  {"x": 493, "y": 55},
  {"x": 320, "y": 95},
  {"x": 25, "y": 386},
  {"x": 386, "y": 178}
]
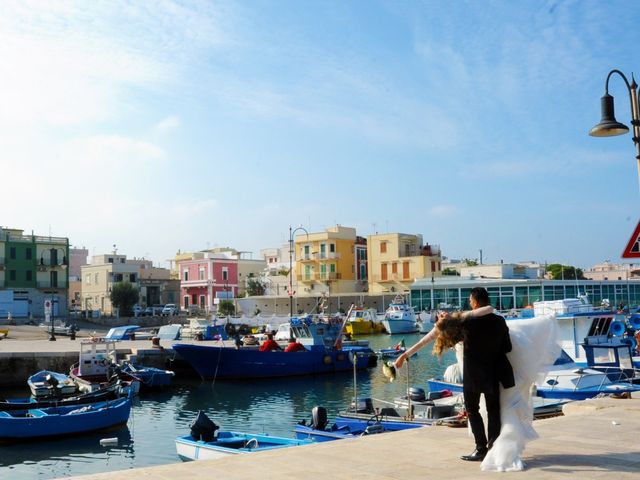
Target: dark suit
[{"x": 485, "y": 367}]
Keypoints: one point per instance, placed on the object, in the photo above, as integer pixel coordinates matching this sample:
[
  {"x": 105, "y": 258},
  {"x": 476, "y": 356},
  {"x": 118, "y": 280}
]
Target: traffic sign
[
  {"x": 47, "y": 307},
  {"x": 632, "y": 250}
]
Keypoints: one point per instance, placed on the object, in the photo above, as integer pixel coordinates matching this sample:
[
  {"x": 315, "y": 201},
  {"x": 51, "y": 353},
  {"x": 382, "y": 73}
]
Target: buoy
[
  {"x": 109, "y": 442},
  {"x": 634, "y": 321}
]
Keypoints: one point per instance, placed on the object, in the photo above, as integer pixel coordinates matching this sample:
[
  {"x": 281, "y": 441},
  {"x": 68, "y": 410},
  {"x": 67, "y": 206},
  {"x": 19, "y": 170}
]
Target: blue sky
[{"x": 164, "y": 126}]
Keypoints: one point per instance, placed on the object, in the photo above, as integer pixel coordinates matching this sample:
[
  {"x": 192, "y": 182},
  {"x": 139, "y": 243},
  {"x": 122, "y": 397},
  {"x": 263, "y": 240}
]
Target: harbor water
[{"x": 271, "y": 406}]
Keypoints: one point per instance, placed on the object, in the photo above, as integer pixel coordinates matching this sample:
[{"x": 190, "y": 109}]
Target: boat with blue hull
[
  {"x": 205, "y": 442},
  {"x": 323, "y": 353},
  {"x": 40, "y": 423},
  {"x": 318, "y": 429}
]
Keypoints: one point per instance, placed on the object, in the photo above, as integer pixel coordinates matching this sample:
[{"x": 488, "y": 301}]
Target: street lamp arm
[{"x": 622, "y": 75}]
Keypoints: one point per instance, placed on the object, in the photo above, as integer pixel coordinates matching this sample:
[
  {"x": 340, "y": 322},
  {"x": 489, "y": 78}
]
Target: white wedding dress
[{"x": 535, "y": 348}]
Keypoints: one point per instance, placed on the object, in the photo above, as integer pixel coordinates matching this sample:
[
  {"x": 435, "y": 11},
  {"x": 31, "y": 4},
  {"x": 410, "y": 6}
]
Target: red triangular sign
[{"x": 632, "y": 249}]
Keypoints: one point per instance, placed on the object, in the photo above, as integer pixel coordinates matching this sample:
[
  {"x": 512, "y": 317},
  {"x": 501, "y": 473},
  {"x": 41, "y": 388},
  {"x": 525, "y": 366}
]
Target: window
[
  {"x": 12, "y": 275},
  {"x": 185, "y": 277},
  {"x": 110, "y": 260},
  {"x": 383, "y": 273},
  {"x": 132, "y": 277},
  {"x": 87, "y": 279},
  {"x": 394, "y": 268},
  {"x": 29, "y": 274},
  {"x": 28, "y": 253},
  {"x": 122, "y": 260},
  {"x": 225, "y": 273},
  {"x": 186, "y": 300},
  {"x": 332, "y": 247},
  {"x": 383, "y": 247},
  {"x": 12, "y": 253},
  {"x": 96, "y": 279},
  {"x": 201, "y": 273},
  {"x": 201, "y": 301}
]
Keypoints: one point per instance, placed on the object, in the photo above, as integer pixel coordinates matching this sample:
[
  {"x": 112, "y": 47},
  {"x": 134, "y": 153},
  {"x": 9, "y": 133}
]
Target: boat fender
[
  {"x": 109, "y": 442},
  {"x": 340, "y": 357},
  {"x": 327, "y": 359}
]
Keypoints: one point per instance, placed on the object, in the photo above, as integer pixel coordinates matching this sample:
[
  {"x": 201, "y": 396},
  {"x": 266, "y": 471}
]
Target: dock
[{"x": 595, "y": 439}]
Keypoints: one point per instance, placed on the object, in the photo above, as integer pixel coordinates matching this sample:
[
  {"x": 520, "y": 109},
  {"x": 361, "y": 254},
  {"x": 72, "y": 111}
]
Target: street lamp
[
  {"x": 291, "y": 292},
  {"x": 53, "y": 261},
  {"x": 609, "y": 126}
]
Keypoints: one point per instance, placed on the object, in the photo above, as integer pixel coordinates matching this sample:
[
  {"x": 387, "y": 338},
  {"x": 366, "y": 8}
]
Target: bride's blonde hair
[{"x": 449, "y": 333}]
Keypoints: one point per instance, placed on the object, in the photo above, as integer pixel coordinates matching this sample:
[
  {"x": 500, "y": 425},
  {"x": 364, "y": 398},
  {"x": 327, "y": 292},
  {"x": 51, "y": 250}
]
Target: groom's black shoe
[{"x": 477, "y": 456}]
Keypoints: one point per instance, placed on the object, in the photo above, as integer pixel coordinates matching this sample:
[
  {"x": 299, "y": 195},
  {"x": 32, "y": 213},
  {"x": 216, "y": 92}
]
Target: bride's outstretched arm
[{"x": 428, "y": 338}]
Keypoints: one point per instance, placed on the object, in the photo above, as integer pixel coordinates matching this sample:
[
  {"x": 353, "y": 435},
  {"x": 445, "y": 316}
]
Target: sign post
[{"x": 48, "y": 315}]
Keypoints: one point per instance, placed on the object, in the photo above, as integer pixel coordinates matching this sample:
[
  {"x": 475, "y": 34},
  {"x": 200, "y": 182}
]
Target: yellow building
[
  {"x": 326, "y": 262},
  {"x": 395, "y": 260}
]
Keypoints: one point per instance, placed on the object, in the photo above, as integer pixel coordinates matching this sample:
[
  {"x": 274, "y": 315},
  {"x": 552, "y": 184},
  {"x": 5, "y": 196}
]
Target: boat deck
[{"x": 595, "y": 439}]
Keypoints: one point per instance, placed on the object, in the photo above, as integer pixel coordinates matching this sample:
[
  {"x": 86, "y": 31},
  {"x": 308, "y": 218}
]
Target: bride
[{"x": 534, "y": 350}]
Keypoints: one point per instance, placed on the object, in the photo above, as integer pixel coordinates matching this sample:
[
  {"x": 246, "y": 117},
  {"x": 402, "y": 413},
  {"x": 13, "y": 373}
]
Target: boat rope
[{"x": 215, "y": 374}]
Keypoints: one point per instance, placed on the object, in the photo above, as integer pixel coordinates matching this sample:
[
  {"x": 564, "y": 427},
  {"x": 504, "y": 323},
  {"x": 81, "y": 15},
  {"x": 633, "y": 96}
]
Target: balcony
[
  {"x": 306, "y": 257},
  {"x": 392, "y": 277},
  {"x": 327, "y": 256},
  {"x": 49, "y": 284},
  {"x": 320, "y": 276}
]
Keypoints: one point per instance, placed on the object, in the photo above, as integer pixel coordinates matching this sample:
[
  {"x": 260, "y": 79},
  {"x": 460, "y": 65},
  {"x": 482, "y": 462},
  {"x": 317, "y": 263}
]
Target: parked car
[
  {"x": 170, "y": 309},
  {"x": 148, "y": 312},
  {"x": 137, "y": 311}
]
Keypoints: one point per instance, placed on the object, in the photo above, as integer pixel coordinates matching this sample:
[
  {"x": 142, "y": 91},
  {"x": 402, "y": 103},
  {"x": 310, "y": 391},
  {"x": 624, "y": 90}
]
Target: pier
[{"x": 595, "y": 439}]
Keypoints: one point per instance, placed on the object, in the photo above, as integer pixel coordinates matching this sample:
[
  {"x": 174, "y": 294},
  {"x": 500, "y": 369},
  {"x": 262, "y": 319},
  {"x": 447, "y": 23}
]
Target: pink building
[{"x": 205, "y": 277}]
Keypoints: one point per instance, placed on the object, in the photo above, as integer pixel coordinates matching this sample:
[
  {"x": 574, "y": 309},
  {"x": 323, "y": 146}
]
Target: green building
[{"x": 32, "y": 269}]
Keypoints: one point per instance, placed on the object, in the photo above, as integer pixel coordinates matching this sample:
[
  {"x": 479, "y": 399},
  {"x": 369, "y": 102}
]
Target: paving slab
[{"x": 595, "y": 439}]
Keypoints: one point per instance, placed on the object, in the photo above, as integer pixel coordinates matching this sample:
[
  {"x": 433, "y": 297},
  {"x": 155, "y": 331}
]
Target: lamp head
[{"x": 608, "y": 126}]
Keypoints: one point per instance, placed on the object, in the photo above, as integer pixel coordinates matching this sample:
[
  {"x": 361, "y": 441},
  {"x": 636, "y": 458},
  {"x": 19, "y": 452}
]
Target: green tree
[
  {"x": 254, "y": 287},
  {"x": 226, "y": 308},
  {"x": 470, "y": 263},
  {"x": 450, "y": 271},
  {"x": 124, "y": 296},
  {"x": 558, "y": 271}
]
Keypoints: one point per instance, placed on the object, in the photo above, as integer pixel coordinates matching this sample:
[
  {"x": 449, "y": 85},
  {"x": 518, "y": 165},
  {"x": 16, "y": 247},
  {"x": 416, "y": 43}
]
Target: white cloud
[
  {"x": 168, "y": 123},
  {"x": 110, "y": 151},
  {"x": 443, "y": 211}
]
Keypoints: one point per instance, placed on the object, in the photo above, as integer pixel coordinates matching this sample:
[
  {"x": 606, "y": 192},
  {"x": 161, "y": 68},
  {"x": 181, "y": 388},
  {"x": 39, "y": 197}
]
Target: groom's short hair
[{"x": 480, "y": 295}]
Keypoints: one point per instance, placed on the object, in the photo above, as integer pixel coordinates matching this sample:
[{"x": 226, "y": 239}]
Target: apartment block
[
  {"x": 396, "y": 260},
  {"x": 33, "y": 268}
]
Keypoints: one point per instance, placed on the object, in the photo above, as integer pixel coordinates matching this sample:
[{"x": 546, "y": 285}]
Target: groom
[{"x": 485, "y": 367}]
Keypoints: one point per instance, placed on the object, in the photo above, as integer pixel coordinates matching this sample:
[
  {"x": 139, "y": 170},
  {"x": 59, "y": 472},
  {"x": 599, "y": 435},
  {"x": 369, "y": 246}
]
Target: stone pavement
[{"x": 596, "y": 439}]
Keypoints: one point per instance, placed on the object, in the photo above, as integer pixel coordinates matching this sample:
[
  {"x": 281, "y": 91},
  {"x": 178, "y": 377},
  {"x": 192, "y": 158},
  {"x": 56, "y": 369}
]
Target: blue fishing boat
[
  {"x": 323, "y": 354},
  {"x": 318, "y": 430},
  {"x": 206, "y": 443},
  {"x": 149, "y": 377},
  {"x": 37, "y": 423},
  {"x": 110, "y": 392}
]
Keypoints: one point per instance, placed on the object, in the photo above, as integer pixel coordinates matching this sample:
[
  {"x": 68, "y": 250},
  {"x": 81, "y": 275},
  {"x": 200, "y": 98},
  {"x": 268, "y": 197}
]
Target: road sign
[
  {"x": 47, "y": 307},
  {"x": 632, "y": 250}
]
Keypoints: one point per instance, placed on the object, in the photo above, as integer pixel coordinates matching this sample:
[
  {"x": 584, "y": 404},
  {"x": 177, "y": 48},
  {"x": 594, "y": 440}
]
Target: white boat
[
  {"x": 426, "y": 322},
  {"x": 51, "y": 384},
  {"x": 59, "y": 327},
  {"x": 204, "y": 443},
  {"x": 579, "y": 321},
  {"x": 400, "y": 317}
]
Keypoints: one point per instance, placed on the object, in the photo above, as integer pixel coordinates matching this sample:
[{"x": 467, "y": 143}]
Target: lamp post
[
  {"x": 53, "y": 252},
  {"x": 609, "y": 126},
  {"x": 291, "y": 292}
]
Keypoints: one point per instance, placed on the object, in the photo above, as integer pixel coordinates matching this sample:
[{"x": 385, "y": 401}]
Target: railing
[
  {"x": 321, "y": 276},
  {"x": 391, "y": 277},
  {"x": 327, "y": 256},
  {"x": 49, "y": 284},
  {"x": 44, "y": 262}
]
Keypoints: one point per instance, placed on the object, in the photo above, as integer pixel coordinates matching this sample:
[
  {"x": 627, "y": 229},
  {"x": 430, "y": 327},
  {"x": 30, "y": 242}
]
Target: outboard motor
[
  {"x": 203, "y": 428},
  {"x": 51, "y": 380},
  {"x": 318, "y": 418},
  {"x": 417, "y": 394},
  {"x": 365, "y": 405}
]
